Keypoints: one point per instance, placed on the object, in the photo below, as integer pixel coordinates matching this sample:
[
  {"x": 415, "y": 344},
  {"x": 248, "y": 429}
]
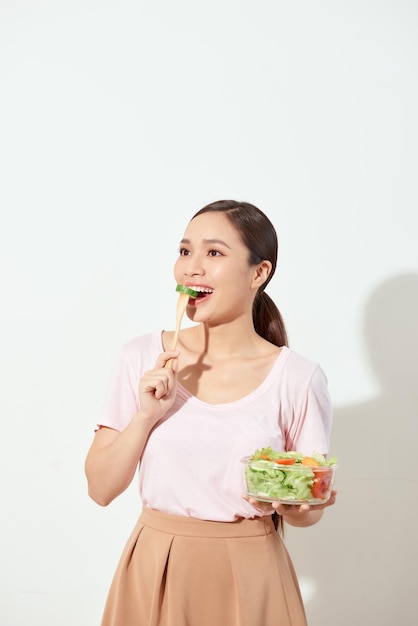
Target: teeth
[{"x": 202, "y": 289}]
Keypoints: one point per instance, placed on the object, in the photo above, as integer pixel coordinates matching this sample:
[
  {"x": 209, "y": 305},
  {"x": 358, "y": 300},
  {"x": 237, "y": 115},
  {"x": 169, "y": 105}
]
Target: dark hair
[{"x": 259, "y": 235}]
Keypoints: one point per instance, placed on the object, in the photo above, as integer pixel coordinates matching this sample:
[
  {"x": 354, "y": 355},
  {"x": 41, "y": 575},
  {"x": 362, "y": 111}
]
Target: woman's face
[{"x": 214, "y": 261}]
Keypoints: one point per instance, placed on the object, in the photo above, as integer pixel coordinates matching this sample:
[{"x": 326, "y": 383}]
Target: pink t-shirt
[{"x": 192, "y": 461}]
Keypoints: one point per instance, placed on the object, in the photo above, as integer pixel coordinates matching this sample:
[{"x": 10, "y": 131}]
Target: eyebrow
[{"x": 209, "y": 241}]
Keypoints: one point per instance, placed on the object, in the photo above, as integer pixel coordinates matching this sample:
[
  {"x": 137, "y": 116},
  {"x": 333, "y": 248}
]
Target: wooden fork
[{"x": 180, "y": 309}]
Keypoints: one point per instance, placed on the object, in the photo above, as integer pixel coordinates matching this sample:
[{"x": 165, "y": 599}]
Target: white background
[{"x": 120, "y": 119}]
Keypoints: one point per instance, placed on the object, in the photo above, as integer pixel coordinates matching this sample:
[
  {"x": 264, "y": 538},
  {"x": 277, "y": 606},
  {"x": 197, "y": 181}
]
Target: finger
[
  {"x": 282, "y": 509},
  {"x": 166, "y": 356},
  {"x": 156, "y": 383},
  {"x": 175, "y": 364},
  {"x": 161, "y": 388},
  {"x": 263, "y": 507},
  {"x": 331, "y": 500}
]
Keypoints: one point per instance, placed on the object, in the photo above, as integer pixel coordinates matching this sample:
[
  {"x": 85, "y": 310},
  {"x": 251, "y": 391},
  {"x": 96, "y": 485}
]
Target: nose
[
  {"x": 193, "y": 269},
  {"x": 193, "y": 272}
]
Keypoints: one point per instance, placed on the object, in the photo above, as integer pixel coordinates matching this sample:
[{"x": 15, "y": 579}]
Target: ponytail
[{"x": 268, "y": 321}]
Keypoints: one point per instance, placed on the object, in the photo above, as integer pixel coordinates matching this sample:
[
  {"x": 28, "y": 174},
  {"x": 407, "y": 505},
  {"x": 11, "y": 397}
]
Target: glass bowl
[{"x": 272, "y": 481}]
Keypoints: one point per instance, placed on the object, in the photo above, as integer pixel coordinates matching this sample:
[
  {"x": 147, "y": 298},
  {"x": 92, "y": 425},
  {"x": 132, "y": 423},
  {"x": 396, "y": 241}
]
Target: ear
[{"x": 261, "y": 273}]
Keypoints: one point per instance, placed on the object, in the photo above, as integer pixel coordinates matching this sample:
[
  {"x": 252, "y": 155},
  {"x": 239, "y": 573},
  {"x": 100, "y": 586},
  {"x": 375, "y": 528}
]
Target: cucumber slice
[{"x": 190, "y": 292}]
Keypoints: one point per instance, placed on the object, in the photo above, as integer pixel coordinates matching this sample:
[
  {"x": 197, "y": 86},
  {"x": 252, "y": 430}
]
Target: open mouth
[{"x": 202, "y": 292}]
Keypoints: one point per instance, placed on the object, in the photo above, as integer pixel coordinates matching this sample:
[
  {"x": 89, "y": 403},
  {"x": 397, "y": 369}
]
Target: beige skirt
[{"x": 181, "y": 571}]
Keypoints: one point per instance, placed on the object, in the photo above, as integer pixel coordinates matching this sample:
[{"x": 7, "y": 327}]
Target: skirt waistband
[{"x": 193, "y": 527}]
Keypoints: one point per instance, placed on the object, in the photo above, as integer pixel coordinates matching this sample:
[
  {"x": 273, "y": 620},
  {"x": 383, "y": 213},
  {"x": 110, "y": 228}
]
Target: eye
[
  {"x": 214, "y": 252},
  {"x": 183, "y": 252}
]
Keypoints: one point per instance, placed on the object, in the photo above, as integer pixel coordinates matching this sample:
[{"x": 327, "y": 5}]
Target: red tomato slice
[
  {"x": 285, "y": 461},
  {"x": 321, "y": 484}
]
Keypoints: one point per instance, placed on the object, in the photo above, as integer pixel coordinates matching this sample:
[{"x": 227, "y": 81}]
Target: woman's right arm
[
  {"x": 113, "y": 456},
  {"x": 112, "y": 460}
]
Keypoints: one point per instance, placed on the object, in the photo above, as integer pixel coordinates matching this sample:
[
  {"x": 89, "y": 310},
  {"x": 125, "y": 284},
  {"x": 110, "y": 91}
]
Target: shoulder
[
  {"x": 151, "y": 340},
  {"x": 298, "y": 363},
  {"x": 301, "y": 372},
  {"x": 142, "y": 351}
]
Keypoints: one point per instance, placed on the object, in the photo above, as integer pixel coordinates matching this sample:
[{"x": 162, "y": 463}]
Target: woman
[{"x": 203, "y": 553}]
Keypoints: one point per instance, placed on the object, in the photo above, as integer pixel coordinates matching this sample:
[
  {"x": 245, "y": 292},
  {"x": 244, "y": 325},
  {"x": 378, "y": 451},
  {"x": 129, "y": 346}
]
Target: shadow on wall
[{"x": 362, "y": 558}]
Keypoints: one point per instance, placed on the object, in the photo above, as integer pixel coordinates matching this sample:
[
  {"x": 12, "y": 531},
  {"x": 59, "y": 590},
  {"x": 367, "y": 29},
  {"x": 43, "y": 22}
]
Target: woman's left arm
[{"x": 303, "y": 515}]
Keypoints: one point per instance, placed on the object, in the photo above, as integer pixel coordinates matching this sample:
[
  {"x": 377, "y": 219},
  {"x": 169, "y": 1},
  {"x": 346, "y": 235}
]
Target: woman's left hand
[{"x": 302, "y": 515}]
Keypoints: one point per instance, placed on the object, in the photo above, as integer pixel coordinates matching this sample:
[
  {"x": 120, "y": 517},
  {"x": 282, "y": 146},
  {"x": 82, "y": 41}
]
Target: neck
[{"x": 226, "y": 340}]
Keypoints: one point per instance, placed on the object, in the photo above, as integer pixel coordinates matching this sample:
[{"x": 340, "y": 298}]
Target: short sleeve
[
  {"x": 310, "y": 430},
  {"x": 122, "y": 396}
]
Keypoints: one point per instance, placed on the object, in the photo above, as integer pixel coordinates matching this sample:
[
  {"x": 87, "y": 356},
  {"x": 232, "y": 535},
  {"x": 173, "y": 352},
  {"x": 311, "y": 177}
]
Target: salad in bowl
[{"x": 289, "y": 477}]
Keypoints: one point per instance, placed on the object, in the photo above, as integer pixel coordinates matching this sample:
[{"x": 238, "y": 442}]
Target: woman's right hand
[{"x": 157, "y": 388}]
